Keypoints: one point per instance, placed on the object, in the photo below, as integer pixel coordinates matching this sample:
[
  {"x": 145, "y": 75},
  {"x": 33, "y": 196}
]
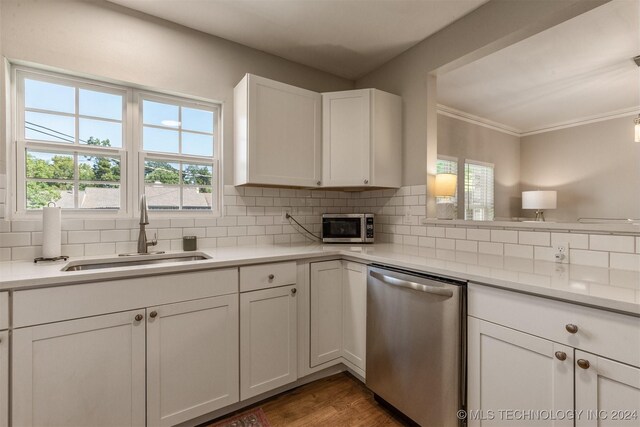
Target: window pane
[
  {"x": 49, "y": 165},
  {"x": 197, "y": 144},
  {"x": 49, "y": 127},
  {"x": 161, "y": 197},
  {"x": 98, "y": 132},
  {"x": 161, "y": 172},
  {"x": 198, "y": 120},
  {"x": 162, "y": 140},
  {"x": 49, "y": 96},
  {"x": 196, "y": 198},
  {"x": 98, "y": 168},
  {"x": 195, "y": 174},
  {"x": 155, "y": 113},
  {"x": 39, "y": 194},
  {"x": 479, "y": 196},
  {"x": 99, "y": 196},
  {"x": 100, "y": 104}
]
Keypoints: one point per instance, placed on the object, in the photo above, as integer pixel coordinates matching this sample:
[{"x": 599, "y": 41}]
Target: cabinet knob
[
  {"x": 561, "y": 355},
  {"x": 571, "y": 328},
  {"x": 293, "y": 291},
  {"x": 139, "y": 317},
  {"x": 271, "y": 277},
  {"x": 366, "y": 181},
  {"x": 584, "y": 364},
  {"x": 153, "y": 314},
  {"x": 319, "y": 182}
]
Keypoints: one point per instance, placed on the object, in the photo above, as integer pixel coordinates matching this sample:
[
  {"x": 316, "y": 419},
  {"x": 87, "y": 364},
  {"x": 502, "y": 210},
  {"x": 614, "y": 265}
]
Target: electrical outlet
[
  {"x": 562, "y": 253},
  {"x": 407, "y": 216},
  {"x": 283, "y": 218}
]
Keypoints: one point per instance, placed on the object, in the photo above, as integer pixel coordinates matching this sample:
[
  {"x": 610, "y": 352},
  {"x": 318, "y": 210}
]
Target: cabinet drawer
[
  {"x": 613, "y": 335},
  {"x": 266, "y": 276},
  {"x": 36, "y": 306}
]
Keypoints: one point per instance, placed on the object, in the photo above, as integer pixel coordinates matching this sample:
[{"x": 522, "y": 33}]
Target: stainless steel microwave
[{"x": 347, "y": 228}]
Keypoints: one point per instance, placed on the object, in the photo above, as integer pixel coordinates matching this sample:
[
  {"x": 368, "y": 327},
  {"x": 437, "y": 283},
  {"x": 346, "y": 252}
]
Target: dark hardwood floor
[{"x": 339, "y": 400}]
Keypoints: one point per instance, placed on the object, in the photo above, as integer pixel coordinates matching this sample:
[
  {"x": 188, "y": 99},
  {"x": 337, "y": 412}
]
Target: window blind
[{"x": 478, "y": 191}]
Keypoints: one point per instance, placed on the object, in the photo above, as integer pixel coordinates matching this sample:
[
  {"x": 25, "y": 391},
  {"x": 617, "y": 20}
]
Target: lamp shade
[
  {"x": 539, "y": 199},
  {"x": 446, "y": 184},
  {"x": 637, "y": 129}
]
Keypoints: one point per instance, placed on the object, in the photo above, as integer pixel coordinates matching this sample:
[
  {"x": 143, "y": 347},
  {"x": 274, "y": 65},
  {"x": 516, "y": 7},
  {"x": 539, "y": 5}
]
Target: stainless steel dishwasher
[{"x": 416, "y": 344}]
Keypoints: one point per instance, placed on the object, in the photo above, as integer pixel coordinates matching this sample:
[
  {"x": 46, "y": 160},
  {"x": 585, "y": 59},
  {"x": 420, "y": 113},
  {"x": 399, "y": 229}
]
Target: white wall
[
  {"x": 105, "y": 40},
  {"x": 594, "y": 167},
  {"x": 464, "y": 140},
  {"x": 489, "y": 28}
]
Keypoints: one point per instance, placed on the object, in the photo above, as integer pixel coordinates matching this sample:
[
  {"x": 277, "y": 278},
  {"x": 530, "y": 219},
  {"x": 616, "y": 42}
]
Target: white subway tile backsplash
[
  {"x": 114, "y": 235},
  {"x": 538, "y": 238},
  {"x": 600, "y": 242},
  {"x": 182, "y": 222},
  {"x": 479, "y": 234},
  {"x": 99, "y": 224},
  {"x": 169, "y": 233},
  {"x": 544, "y": 253},
  {"x": 26, "y": 225},
  {"x": 83, "y": 236},
  {"x": 504, "y": 236},
  {"x": 491, "y": 248},
  {"x": 592, "y": 258},
  {"x": 625, "y": 261},
  {"x": 449, "y": 244},
  {"x": 427, "y": 242},
  {"x": 216, "y": 231},
  {"x": 8, "y": 240},
  {"x": 5, "y": 254},
  {"x": 456, "y": 233},
  {"x": 435, "y": 231},
  {"x": 91, "y": 249},
  {"x": 518, "y": 251},
  {"x": 466, "y": 245},
  {"x": 575, "y": 240},
  {"x": 26, "y": 252}
]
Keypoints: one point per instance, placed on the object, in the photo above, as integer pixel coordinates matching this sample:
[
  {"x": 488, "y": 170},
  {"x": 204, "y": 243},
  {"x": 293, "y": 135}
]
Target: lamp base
[
  {"x": 540, "y": 216},
  {"x": 445, "y": 210}
]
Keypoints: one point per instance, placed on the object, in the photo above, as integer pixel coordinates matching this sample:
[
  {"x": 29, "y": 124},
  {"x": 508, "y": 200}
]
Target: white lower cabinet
[
  {"x": 511, "y": 370},
  {"x": 268, "y": 340},
  {"x": 4, "y": 378},
  {"x": 192, "y": 359},
  {"x": 82, "y": 372},
  {"x": 338, "y": 301},
  {"x": 607, "y": 392}
]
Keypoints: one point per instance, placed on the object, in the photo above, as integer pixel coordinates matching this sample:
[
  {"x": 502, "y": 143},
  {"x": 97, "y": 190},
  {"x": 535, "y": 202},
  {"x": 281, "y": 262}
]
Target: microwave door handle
[{"x": 411, "y": 285}]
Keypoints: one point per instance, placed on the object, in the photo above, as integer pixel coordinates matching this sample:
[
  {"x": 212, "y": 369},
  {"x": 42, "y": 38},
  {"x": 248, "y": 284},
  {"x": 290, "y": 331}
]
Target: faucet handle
[{"x": 154, "y": 241}]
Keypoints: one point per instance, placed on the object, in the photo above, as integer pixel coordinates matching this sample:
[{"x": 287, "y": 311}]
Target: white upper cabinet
[
  {"x": 361, "y": 139},
  {"x": 277, "y": 134}
]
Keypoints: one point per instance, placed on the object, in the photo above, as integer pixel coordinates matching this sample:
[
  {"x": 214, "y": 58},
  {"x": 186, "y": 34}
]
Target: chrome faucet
[{"x": 143, "y": 244}]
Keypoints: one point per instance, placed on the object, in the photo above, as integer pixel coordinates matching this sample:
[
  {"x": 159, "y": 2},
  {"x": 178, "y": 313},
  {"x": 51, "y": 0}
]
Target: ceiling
[
  {"x": 576, "y": 71},
  {"x": 348, "y": 38}
]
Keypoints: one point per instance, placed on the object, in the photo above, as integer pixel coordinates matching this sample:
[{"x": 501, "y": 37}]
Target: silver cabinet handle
[
  {"x": 271, "y": 277},
  {"x": 412, "y": 285},
  {"x": 153, "y": 314},
  {"x": 366, "y": 181},
  {"x": 139, "y": 317},
  {"x": 293, "y": 291},
  {"x": 571, "y": 328},
  {"x": 319, "y": 182},
  {"x": 561, "y": 355}
]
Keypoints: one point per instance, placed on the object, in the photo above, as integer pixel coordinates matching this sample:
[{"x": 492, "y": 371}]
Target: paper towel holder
[{"x": 58, "y": 258}]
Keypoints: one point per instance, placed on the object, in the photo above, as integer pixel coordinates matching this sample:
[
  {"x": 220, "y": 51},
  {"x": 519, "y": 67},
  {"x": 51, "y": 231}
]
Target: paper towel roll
[{"x": 51, "y": 232}]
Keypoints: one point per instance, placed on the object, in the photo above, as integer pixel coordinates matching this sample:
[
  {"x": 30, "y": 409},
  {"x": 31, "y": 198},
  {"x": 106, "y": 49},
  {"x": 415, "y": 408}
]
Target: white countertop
[{"x": 610, "y": 289}]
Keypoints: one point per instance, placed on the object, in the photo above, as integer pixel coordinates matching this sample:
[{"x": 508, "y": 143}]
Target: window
[
  {"x": 70, "y": 143},
  {"x": 80, "y": 145},
  {"x": 178, "y": 154},
  {"x": 478, "y": 191}
]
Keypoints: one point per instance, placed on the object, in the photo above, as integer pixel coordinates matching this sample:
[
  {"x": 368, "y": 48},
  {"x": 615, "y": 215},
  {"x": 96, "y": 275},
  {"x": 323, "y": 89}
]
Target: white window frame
[
  {"x": 493, "y": 189},
  {"x": 131, "y": 154},
  {"x": 183, "y": 158},
  {"x": 21, "y": 144}
]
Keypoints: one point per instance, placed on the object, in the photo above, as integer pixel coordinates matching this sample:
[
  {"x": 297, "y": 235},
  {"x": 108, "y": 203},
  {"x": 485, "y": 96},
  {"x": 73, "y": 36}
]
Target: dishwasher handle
[{"x": 394, "y": 281}]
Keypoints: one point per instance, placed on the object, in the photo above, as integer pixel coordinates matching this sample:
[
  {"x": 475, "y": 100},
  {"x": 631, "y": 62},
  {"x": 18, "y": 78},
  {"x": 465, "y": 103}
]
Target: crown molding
[{"x": 509, "y": 130}]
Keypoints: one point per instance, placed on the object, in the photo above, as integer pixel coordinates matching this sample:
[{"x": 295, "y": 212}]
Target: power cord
[{"x": 288, "y": 216}]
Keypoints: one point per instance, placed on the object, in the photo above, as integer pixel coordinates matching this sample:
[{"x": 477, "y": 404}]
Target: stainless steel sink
[{"x": 131, "y": 262}]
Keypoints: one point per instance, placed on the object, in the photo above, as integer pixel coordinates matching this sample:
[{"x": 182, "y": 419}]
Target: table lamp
[
  {"x": 539, "y": 200},
  {"x": 445, "y": 188}
]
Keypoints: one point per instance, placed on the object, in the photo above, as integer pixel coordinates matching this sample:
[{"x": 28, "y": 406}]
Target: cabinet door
[
  {"x": 85, "y": 372},
  {"x": 511, "y": 370},
  {"x": 192, "y": 359},
  {"x": 354, "y": 313},
  {"x": 607, "y": 392},
  {"x": 4, "y": 378},
  {"x": 346, "y": 138},
  {"x": 268, "y": 331},
  {"x": 284, "y": 134},
  {"x": 326, "y": 312}
]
